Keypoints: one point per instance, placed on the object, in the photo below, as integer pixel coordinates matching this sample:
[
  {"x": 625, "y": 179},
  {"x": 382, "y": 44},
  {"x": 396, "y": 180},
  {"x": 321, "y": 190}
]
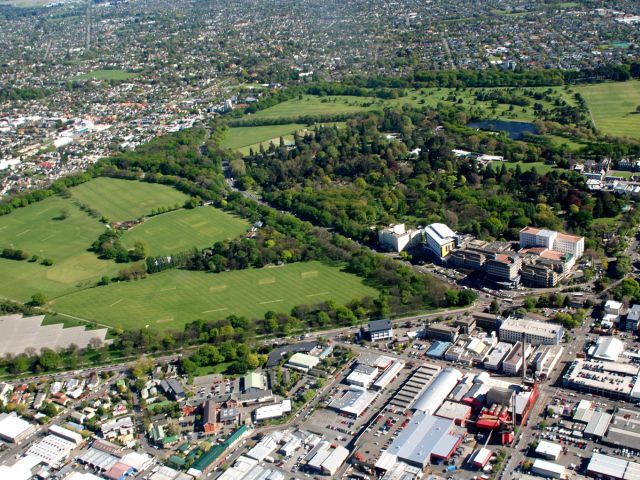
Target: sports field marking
[
  {"x": 6, "y": 226},
  {"x": 43, "y": 211},
  {"x": 267, "y": 281},
  {"x": 271, "y": 301},
  {"x": 22, "y": 233},
  {"x": 217, "y": 288},
  {"x": 199, "y": 224},
  {"x": 318, "y": 294},
  {"x": 47, "y": 238},
  {"x": 169, "y": 289},
  {"x": 165, "y": 320},
  {"x": 116, "y": 302},
  {"x": 309, "y": 274},
  {"x": 216, "y": 310}
]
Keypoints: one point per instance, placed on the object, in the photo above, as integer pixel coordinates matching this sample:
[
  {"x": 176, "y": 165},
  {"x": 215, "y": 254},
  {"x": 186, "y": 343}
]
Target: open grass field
[
  {"x": 315, "y": 105},
  {"x": 170, "y": 299},
  {"x": 244, "y": 136},
  {"x": 53, "y": 228},
  {"x": 541, "y": 167},
  {"x": 120, "y": 200},
  {"x": 180, "y": 230},
  {"x": 613, "y": 106},
  {"x": 106, "y": 75}
]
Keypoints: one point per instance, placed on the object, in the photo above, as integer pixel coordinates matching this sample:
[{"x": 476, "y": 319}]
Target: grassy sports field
[
  {"x": 53, "y": 228},
  {"x": 120, "y": 200},
  {"x": 106, "y": 75},
  {"x": 613, "y": 106},
  {"x": 170, "y": 299},
  {"x": 244, "y": 136},
  {"x": 178, "y": 231}
]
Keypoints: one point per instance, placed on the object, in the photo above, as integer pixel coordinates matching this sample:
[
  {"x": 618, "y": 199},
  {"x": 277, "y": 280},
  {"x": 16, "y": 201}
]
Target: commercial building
[
  {"x": 534, "y": 332},
  {"x": 14, "y": 429},
  {"x": 210, "y": 417},
  {"x": 415, "y": 385},
  {"x": 441, "y": 240},
  {"x": 362, "y": 376},
  {"x": 327, "y": 458},
  {"x": 425, "y": 439},
  {"x": 604, "y": 466},
  {"x": 546, "y": 359},
  {"x": 433, "y": 396},
  {"x": 607, "y": 348},
  {"x": 272, "y": 411},
  {"x": 353, "y": 402},
  {"x": 548, "y": 469},
  {"x": 624, "y": 429},
  {"x": 389, "y": 375},
  {"x": 302, "y": 362},
  {"x": 497, "y": 355},
  {"x": 379, "y": 330},
  {"x": 516, "y": 359},
  {"x": 458, "y": 412},
  {"x": 442, "y": 332},
  {"x": 51, "y": 450},
  {"x": 551, "y": 240},
  {"x": 610, "y": 379},
  {"x": 249, "y": 468},
  {"x": 65, "y": 433},
  {"x": 548, "y": 450},
  {"x": 504, "y": 267},
  {"x": 397, "y": 238},
  {"x": 23, "y": 469}
]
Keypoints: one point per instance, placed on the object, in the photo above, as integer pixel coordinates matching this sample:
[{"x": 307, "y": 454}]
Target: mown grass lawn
[
  {"x": 315, "y": 105},
  {"x": 104, "y": 74},
  {"x": 613, "y": 106},
  {"x": 244, "y": 136},
  {"x": 178, "y": 231},
  {"x": 121, "y": 200},
  {"x": 53, "y": 228},
  {"x": 170, "y": 299}
]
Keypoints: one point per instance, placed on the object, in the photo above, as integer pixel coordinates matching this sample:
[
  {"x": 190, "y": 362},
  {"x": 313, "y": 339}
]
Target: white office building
[
  {"x": 396, "y": 237},
  {"x": 535, "y": 333},
  {"x": 552, "y": 240}
]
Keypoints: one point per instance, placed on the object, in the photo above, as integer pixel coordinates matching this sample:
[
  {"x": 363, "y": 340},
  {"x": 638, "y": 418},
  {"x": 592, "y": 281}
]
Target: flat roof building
[
  {"x": 604, "y": 466},
  {"x": 353, "y": 402},
  {"x": 548, "y": 469},
  {"x": 14, "y": 429},
  {"x": 534, "y": 332},
  {"x": 272, "y": 411},
  {"x": 397, "y": 238},
  {"x": 497, "y": 355},
  {"x": 610, "y": 379},
  {"x": 458, "y": 412},
  {"x": 362, "y": 376},
  {"x": 548, "y": 450}
]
